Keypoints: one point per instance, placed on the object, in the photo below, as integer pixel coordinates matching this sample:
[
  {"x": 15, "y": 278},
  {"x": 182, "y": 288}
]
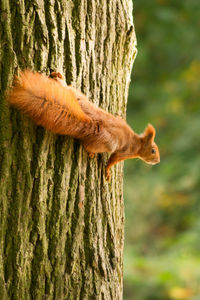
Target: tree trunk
[{"x": 62, "y": 224}]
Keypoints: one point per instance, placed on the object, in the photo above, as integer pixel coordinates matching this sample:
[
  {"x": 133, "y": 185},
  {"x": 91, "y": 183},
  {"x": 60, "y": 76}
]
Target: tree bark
[{"x": 62, "y": 224}]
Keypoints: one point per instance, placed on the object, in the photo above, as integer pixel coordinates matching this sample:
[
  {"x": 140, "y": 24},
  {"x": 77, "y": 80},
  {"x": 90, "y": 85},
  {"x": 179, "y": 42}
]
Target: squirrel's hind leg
[
  {"x": 58, "y": 77},
  {"x": 90, "y": 154}
]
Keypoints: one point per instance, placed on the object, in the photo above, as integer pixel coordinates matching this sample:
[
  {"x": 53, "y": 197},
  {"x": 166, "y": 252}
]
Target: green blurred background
[{"x": 162, "y": 203}]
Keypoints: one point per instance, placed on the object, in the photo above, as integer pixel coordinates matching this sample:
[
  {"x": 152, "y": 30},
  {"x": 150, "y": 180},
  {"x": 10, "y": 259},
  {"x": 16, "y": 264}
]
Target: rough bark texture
[{"x": 61, "y": 223}]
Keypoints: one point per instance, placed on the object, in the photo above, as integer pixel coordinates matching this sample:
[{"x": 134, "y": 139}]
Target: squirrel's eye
[{"x": 153, "y": 151}]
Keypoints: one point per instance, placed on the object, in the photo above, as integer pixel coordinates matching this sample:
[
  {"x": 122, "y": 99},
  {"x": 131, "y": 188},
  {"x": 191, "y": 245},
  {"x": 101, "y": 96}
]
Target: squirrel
[{"x": 64, "y": 110}]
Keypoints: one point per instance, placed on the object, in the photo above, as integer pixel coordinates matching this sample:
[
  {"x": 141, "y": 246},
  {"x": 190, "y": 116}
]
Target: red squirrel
[{"x": 64, "y": 110}]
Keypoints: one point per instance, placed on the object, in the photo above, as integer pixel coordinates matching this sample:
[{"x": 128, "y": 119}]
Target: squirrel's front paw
[{"x": 108, "y": 174}]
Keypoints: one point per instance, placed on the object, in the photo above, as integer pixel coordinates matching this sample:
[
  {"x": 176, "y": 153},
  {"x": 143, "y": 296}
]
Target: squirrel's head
[{"x": 149, "y": 150}]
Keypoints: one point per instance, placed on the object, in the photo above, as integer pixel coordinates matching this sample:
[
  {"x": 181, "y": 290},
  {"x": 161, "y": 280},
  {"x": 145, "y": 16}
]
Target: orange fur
[
  {"x": 65, "y": 110},
  {"x": 48, "y": 103}
]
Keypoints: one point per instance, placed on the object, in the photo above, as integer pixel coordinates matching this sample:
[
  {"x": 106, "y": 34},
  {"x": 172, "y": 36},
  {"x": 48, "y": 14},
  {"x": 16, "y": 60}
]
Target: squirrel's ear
[{"x": 149, "y": 133}]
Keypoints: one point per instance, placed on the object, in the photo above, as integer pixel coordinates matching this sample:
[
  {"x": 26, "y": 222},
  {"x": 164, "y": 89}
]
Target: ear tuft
[{"x": 149, "y": 133}]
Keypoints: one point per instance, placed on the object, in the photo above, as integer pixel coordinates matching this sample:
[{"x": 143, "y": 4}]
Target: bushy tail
[{"x": 49, "y": 104}]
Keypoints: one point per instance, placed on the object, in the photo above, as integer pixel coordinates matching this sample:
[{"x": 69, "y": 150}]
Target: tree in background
[
  {"x": 61, "y": 228},
  {"x": 162, "y": 203}
]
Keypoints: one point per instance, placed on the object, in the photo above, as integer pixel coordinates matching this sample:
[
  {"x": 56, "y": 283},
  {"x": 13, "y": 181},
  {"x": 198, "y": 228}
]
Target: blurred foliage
[{"x": 162, "y": 244}]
